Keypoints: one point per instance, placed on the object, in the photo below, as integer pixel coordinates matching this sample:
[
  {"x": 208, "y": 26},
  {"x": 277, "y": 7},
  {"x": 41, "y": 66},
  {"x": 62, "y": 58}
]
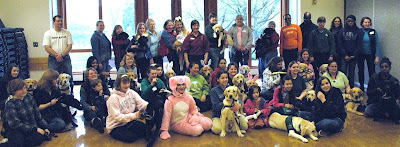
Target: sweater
[
  {"x": 41, "y": 96},
  {"x": 147, "y": 89},
  {"x": 123, "y": 70},
  {"x": 154, "y": 43},
  {"x": 321, "y": 42},
  {"x": 214, "y": 81},
  {"x": 279, "y": 101},
  {"x": 101, "y": 47},
  {"x": 123, "y": 108},
  {"x": 250, "y": 106},
  {"x": 390, "y": 88},
  {"x": 247, "y": 37},
  {"x": 217, "y": 98},
  {"x": 198, "y": 86},
  {"x": 306, "y": 29},
  {"x": 119, "y": 46},
  {"x": 350, "y": 41},
  {"x": 370, "y": 42},
  {"x": 270, "y": 80},
  {"x": 23, "y": 115},
  {"x": 332, "y": 108},
  {"x": 291, "y": 38}
]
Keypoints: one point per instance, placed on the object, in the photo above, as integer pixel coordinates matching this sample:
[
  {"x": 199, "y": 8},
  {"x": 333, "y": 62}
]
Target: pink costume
[{"x": 180, "y": 111}]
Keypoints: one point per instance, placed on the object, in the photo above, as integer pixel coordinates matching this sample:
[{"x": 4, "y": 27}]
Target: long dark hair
[
  {"x": 289, "y": 72},
  {"x": 251, "y": 91},
  {"x": 319, "y": 83},
  {"x": 291, "y": 94},
  {"x": 333, "y": 23},
  {"x": 7, "y": 74},
  {"x": 300, "y": 58}
]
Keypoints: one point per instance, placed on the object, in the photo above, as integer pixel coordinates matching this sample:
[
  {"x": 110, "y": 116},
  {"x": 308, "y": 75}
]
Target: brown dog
[
  {"x": 134, "y": 85},
  {"x": 31, "y": 85},
  {"x": 178, "y": 48},
  {"x": 206, "y": 72},
  {"x": 230, "y": 119},
  {"x": 353, "y": 100}
]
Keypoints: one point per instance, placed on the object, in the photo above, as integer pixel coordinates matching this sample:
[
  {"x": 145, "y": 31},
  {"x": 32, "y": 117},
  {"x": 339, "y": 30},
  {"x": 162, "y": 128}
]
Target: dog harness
[
  {"x": 347, "y": 100},
  {"x": 289, "y": 124},
  {"x": 236, "y": 115}
]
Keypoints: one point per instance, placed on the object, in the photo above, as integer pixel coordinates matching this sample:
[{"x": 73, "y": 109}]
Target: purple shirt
[{"x": 196, "y": 45}]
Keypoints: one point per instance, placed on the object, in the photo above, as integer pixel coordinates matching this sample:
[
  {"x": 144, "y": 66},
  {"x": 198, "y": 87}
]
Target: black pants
[
  {"x": 158, "y": 60},
  {"x": 204, "y": 106},
  {"x": 370, "y": 64},
  {"x": 18, "y": 138},
  {"x": 129, "y": 132},
  {"x": 319, "y": 59},
  {"x": 288, "y": 56},
  {"x": 142, "y": 65},
  {"x": 118, "y": 62}
]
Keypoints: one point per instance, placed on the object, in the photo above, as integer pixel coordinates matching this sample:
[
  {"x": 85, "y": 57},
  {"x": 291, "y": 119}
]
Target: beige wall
[
  {"x": 33, "y": 16},
  {"x": 327, "y": 8}
]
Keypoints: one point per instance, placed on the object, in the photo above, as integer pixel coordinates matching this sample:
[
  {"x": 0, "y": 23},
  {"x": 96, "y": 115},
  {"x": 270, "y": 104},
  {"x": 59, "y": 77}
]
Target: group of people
[{"x": 28, "y": 118}]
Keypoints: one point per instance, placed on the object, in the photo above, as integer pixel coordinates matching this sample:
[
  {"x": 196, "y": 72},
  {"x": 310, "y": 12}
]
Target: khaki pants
[{"x": 217, "y": 127}]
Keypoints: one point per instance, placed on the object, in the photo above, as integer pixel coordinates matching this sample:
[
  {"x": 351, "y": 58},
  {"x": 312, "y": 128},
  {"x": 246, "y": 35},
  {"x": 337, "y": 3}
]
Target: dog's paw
[
  {"x": 314, "y": 138},
  {"x": 222, "y": 134},
  {"x": 243, "y": 131},
  {"x": 240, "y": 134},
  {"x": 305, "y": 140},
  {"x": 359, "y": 113}
]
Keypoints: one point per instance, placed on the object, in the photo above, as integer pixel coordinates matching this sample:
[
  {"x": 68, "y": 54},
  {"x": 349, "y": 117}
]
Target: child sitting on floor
[{"x": 254, "y": 104}]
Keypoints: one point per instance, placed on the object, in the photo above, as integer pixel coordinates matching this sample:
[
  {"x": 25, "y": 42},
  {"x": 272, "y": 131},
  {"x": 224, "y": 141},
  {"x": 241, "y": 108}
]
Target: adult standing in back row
[
  {"x": 58, "y": 43},
  {"x": 350, "y": 44},
  {"x": 291, "y": 40},
  {"x": 242, "y": 41},
  {"x": 306, "y": 27},
  {"x": 101, "y": 46}
]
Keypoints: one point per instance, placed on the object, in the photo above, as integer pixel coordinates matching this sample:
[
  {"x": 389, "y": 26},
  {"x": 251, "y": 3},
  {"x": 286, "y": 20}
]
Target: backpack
[{"x": 264, "y": 43}]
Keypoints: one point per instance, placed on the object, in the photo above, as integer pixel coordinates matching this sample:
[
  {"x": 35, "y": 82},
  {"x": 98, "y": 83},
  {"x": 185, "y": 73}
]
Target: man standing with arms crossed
[{"x": 58, "y": 43}]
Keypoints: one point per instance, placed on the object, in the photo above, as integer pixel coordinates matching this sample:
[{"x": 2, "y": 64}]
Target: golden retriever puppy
[
  {"x": 218, "y": 29},
  {"x": 353, "y": 100},
  {"x": 293, "y": 125},
  {"x": 64, "y": 83},
  {"x": 134, "y": 84},
  {"x": 206, "y": 72},
  {"x": 230, "y": 119},
  {"x": 178, "y": 48},
  {"x": 252, "y": 80},
  {"x": 238, "y": 81},
  {"x": 31, "y": 85},
  {"x": 322, "y": 69}
]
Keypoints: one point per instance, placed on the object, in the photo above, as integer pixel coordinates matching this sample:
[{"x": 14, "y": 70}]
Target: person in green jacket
[
  {"x": 151, "y": 84},
  {"x": 199, "y": 88}
]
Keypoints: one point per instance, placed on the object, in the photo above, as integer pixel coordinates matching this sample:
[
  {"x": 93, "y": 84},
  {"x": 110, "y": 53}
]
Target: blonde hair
[
  {"x": 137, "y": 30},
  {"x": 148, "y": 22},
  {"x": 123, "y": 62},
  {"x": 46, "y": 81},
  {"x": 184, "y": 31}
]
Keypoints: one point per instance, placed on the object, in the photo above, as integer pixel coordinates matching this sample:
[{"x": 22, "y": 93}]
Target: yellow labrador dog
[
  {"x": 353, "y": 100},
  {"x": 64, "y": 83},
  {"x": 293, "y": 125},
  {"x": 230, "y": 119}
]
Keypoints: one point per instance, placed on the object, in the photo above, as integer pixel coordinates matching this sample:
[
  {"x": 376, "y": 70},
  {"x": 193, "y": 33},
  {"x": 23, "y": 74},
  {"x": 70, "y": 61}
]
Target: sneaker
[{"x": 322, "y": 133}]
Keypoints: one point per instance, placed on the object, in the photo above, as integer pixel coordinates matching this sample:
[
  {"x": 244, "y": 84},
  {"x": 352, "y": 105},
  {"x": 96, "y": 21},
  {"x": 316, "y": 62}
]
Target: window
[
  {"x": 157, "y": 12},
  {"x": 229, "y": 9},
  {"x": 262, "y": 12},
  {"x": 119, "y": 12},
  {"x": 193, "y": 10},
  {"x": 81, "y": 25}
]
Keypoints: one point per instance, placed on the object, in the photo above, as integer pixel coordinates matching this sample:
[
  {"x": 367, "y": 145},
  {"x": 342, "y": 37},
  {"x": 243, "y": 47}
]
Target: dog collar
[{"x": 66, "y": 88}]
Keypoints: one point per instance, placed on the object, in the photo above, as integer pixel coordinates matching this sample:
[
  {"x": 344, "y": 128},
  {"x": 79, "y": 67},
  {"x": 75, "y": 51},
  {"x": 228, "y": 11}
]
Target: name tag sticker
[
  {"x": 191, "y": 38},
  {"x": 326, "y": 35},
  {"x": 244, "y": 31},
  {"x": 371, "y": 33}
]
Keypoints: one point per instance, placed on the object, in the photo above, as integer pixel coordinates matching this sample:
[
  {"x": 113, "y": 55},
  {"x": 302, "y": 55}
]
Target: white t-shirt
[{"x": 57, "y": 40}]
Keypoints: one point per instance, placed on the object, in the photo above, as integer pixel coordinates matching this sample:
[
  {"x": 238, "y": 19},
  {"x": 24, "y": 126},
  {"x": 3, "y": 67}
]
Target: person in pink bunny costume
[{"x": 180, "y": 111}]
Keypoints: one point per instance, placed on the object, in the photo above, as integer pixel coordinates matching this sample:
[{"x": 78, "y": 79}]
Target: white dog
[{"x": 298, "y": 124}]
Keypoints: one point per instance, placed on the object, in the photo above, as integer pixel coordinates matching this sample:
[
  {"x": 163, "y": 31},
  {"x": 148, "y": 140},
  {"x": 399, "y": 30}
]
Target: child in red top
[{"x": 254, "y": 104}]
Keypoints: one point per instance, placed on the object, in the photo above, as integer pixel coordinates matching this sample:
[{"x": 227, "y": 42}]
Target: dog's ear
[
  {"x": 34, "y": 82},
  {"x": 69, "y": 77},
  {"x": 226, "y": 91}
]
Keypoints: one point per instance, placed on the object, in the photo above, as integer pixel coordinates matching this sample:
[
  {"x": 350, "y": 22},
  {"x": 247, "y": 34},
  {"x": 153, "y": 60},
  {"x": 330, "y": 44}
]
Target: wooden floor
[{"x": 359, "y": 131}]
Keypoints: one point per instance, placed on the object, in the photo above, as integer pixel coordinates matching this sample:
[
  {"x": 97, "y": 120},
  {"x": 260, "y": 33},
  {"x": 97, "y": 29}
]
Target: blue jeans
[
  {"x": 62, "y": 67},
  {"x": 305, "y": 115},
  {"x": 268, "y": 94},
  {"x": 348, "y": 68},
  {"x": 263, "y": 61},
  {"x": 239, "y": 57},
  {"x": 56, "y": 125},
  {"x": 215, "y": 56},
  {"x": 106, "y": 66},
  {"x": 330, "y": 125}
]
